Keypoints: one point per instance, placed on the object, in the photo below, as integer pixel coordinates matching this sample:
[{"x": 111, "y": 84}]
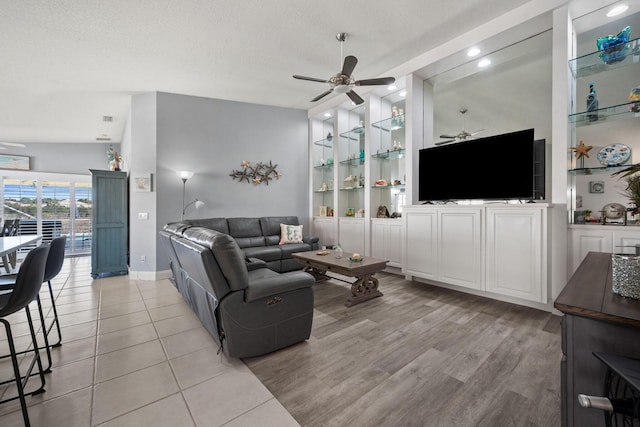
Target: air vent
[{"x": 107, "y": 118}]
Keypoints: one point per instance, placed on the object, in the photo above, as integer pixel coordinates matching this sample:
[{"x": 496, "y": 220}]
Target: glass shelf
[
  {"x": 392, "y": 123},
  {"x": 325, "y": 191},
  {"x": 324, "y": 143},
  {"x": 354, "y": 134},
  {"x": 326, "y": 166},
  {"x": 352, "y": 162},
  {"x": 352, "y": 189},
  {"x": 592, "y": 63},
  {"x": 614, "y": 112},
  {"x": 383, "y": 187},
  {"x": 597, "y": 170},
  {"x": 390, "y": 154}
]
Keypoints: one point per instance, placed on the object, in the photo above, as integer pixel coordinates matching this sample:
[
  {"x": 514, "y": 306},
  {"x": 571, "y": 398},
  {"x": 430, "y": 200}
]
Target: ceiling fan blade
[
  {"x": 355, "y": 97},
  {"x": 322, "y": 95},
  {"x": 477, "y": 132},
  {"x": 311, "y": 79},
  {"x": 448, "y": 136},
  {"x": 349, "y": 64},
  {"x": 444, "y": 142},
  {"x": 374, "y": 82}
]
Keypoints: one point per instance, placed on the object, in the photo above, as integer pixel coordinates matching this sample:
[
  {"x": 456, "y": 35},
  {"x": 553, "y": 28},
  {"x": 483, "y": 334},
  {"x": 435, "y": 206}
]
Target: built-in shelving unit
[
  {"x": 352, "y": 163},
  {"x": 613, "y": 74}
]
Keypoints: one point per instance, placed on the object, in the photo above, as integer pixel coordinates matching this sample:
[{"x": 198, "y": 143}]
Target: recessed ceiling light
[
  {"x": 617, "y": 10},
  {"x": 327, "y": 114},
  {"x": 484, "y": 63},
  {"x": 392, "y": 87},
  {"x": 474, "y": 51},
  {"x": 403, "y": 93}
]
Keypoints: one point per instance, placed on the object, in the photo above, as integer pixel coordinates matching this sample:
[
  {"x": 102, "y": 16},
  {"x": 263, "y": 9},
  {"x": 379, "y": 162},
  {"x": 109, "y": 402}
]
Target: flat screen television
[{"x": 500, "y": 167}]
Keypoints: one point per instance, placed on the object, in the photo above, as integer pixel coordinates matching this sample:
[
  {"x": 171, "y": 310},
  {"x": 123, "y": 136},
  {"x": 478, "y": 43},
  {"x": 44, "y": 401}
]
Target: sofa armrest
[
  {"x": 254, "y": 263},
  {"x": 272, "y": 285},
  {"x": 313, "y": 241}
]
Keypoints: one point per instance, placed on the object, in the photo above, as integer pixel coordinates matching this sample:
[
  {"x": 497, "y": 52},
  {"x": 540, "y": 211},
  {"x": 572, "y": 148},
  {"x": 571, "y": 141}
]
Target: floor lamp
[{"x": 184, "y": 176}]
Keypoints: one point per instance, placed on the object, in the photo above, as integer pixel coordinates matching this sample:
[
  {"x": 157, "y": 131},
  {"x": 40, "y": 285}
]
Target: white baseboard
[{"x": 150, "y": 275}]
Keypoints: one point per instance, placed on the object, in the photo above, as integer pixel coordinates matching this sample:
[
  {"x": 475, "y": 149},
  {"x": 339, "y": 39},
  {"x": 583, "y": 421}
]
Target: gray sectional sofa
[
  {"x": 249, "y": 309},
  {"x": 258, "y": 238}
]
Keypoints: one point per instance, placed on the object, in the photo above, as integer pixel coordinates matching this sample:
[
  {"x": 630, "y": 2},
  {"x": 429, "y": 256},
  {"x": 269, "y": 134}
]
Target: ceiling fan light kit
[{"x": 343, "y": 82}]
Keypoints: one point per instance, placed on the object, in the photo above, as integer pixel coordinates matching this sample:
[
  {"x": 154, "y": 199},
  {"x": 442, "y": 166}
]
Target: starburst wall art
[{"x": 256, "y": 174}]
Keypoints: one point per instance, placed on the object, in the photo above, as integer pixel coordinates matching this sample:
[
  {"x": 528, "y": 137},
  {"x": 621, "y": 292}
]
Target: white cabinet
[
  {"x": 325, "y": 230},
  {"x": 386, "y": 240},
  {"x": 420, "y": 243},
  {"x": 352, "y": 235},
  {"x": 600, "y": 238},
  {"x": 584, "y": 241},
  {"x": 490, "y": 250},
  {"x": 515, "y": 240},
  {"x": 459, "y": 250}
]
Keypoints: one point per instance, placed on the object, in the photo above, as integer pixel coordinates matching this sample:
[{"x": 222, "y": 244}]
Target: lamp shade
[{"x": 185, "y": 175}]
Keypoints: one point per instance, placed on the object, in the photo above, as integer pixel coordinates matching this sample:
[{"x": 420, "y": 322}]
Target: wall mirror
[{"x": 511, "y": 93}]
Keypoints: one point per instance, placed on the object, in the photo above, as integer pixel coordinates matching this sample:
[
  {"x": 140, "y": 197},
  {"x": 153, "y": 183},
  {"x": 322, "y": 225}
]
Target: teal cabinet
[{"x": 109, "y": 243}]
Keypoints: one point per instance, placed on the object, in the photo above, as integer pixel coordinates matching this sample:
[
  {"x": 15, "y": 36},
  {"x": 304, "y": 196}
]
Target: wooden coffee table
[{"x": 365, "y": 286}]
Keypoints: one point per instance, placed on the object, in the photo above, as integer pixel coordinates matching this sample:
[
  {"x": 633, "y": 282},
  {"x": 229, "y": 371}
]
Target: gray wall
[
  {"x": 67, "y": 158},
  {"x": 212, "y": 137}
]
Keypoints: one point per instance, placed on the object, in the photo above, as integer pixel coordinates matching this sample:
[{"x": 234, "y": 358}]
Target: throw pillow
[{"x": 290, "y": 234}]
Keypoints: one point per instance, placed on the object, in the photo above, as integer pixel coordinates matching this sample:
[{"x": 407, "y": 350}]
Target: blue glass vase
[{"x": 614, "y": 48}]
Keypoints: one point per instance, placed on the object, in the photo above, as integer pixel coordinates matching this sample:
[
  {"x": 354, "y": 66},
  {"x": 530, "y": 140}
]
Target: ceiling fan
[
  {"x": 343, "y": 82},
  {"x": 462, "y": 136}
]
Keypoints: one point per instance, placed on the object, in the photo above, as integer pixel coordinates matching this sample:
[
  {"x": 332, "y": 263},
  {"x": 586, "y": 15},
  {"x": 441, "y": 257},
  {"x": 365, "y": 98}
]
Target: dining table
[{"x": 10, "y": 245}]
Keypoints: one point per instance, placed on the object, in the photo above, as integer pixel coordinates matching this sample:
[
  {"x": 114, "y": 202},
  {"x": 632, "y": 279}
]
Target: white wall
[{"x": 142, "y": 152}]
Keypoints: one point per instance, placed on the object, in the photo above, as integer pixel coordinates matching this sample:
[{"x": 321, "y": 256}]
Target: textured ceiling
[{"x": 67, "y": 63}]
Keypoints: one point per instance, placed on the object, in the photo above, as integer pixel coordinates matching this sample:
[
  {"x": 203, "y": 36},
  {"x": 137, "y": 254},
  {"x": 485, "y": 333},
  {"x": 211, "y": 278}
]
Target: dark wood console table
[{"x": 595, "y": 320}]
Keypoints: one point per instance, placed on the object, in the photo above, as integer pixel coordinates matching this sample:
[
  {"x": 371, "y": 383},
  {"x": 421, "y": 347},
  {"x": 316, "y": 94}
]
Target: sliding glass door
[{"x": 51, "y": 208}]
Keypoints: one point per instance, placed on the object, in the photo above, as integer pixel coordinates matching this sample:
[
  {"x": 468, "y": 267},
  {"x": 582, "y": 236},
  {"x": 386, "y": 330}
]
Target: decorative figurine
[
  {"x": 592, "y": 104},
  {"x": 582, "y": 150},
  {"x": 114, "y": 158},
  {"x": 329, "y": 137}
]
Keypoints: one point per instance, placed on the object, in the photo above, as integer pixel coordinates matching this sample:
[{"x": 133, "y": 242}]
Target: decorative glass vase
[{"x": 338, "y": 252}]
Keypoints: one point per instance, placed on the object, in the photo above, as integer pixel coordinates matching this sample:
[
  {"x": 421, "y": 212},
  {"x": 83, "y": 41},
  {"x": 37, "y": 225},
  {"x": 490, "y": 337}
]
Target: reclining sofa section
[{"x": 249, "y": 309}]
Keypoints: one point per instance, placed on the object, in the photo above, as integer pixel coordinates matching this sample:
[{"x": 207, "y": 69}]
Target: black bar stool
[
  {"x": 28, "y": 283},
  {"x": 55, "y": 259}
]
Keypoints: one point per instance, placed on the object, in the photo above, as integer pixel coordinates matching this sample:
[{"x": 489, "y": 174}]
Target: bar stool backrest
[
  {"x": 55, "y": 258},
  {"x": 28, "y": 281}
]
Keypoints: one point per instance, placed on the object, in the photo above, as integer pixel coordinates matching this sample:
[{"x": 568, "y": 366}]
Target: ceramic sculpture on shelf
[
  {"x": 614, "y": 48},
  {"x": 634, "y": 96},
  {"x": 114, "y": 158}
]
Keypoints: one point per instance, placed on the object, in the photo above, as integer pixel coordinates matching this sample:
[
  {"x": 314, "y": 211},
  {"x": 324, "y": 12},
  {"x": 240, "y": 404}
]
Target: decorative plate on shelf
[
  {"x": 614, "y": 154},
  {"x": 614, "y": 211}
]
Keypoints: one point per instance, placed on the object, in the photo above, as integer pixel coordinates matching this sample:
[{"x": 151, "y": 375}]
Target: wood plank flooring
[{"x": 419, "y": 356}]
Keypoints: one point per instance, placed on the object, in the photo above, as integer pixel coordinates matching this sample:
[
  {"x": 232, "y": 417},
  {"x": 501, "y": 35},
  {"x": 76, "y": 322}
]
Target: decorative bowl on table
[{"x": 356, "y": 258}]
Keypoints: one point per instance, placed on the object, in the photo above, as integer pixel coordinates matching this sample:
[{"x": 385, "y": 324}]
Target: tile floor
[{"x": 134, "y": 353}]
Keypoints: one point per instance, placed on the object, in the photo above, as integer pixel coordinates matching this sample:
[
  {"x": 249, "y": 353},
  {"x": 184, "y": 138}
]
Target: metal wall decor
[{"x": 256, "y": 174}]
